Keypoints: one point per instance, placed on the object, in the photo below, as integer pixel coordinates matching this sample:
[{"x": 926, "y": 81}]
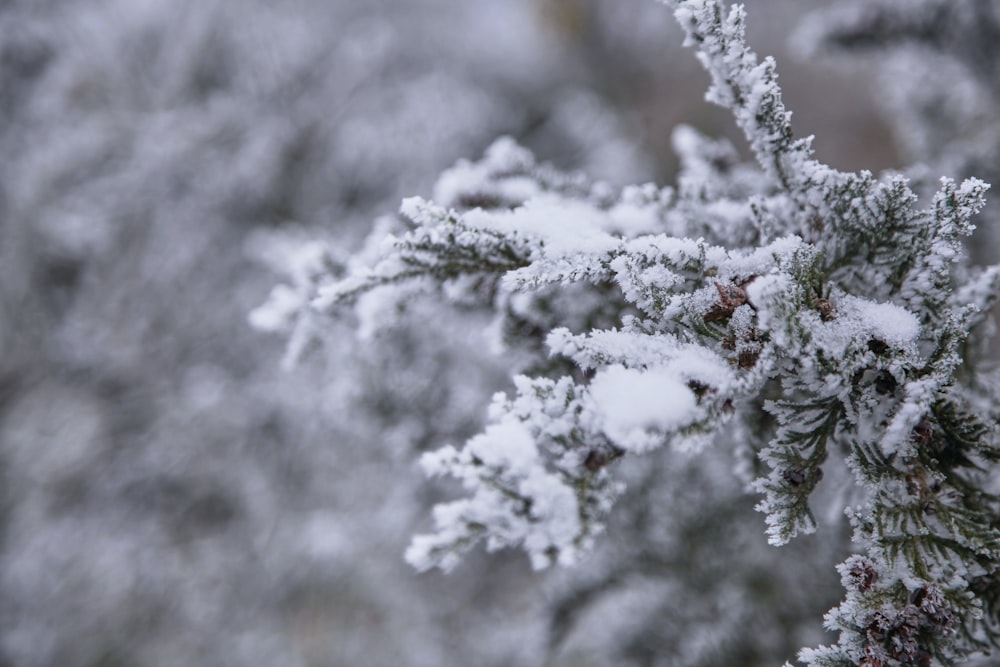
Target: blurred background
[{"x": 169, "y": 495}]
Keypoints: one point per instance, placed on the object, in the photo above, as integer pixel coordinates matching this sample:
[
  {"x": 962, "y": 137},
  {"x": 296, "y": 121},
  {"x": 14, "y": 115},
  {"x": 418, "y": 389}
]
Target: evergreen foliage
[{"x": 834, "y": 309}]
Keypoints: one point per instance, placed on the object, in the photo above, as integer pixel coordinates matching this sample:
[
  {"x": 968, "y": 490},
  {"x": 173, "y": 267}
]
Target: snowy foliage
[{"x": 831, "y": 308}]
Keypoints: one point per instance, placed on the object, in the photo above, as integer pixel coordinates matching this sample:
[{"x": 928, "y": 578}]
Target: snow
[
  {"x": 630, "y": 401},
  {"x": 890, "y": 322},
  {"x": 731, "y": 214},
  {"x": 565, "y": 227},
  {"x": 494, "y": 175},
  {"x": 665, "y": 352},
  {"x": 420, "y": 211},
  {"x": 920, "y": 395},
  {"x": 638, "y": 211},
  {"x": 762, "y": 260},
  {"x": 506, "y": 444}
]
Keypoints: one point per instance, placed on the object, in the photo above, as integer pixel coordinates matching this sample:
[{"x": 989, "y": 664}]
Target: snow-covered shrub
[{"x": 818, "y": 319}]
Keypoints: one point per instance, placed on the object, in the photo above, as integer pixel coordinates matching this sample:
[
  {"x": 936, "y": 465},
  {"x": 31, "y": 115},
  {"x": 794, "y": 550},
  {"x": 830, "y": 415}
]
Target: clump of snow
[
  {"x": 564, "y": 227},
  {"x": 501, "y": 176},
  {"x": 703, "y": 366},
  {"x": 688, "y": 362},
  {"x": 892, "y": 323},
  {"x": 420, "y": 211},
  {"x": 507, "y": 444},
  {"x": 762, "y": 260},
  {"x": 920, "y": 395},
  {"x": 629, "y": 402},
  {"x": 857, "y": 321},
  {"x": 505, "y": 155}
]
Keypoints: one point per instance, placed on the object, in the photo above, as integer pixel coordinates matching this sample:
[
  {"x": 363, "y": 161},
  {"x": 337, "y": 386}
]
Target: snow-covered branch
[{"x": 832, "y": 299}]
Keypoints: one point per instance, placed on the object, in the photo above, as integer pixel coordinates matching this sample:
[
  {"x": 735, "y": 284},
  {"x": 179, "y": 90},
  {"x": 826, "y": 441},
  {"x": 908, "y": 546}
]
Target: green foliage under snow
[{"x": 837, "y": 303}]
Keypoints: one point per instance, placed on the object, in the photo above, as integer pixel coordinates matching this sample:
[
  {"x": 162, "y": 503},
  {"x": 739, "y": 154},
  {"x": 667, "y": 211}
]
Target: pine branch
[{"x": 839, "y": 304}]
